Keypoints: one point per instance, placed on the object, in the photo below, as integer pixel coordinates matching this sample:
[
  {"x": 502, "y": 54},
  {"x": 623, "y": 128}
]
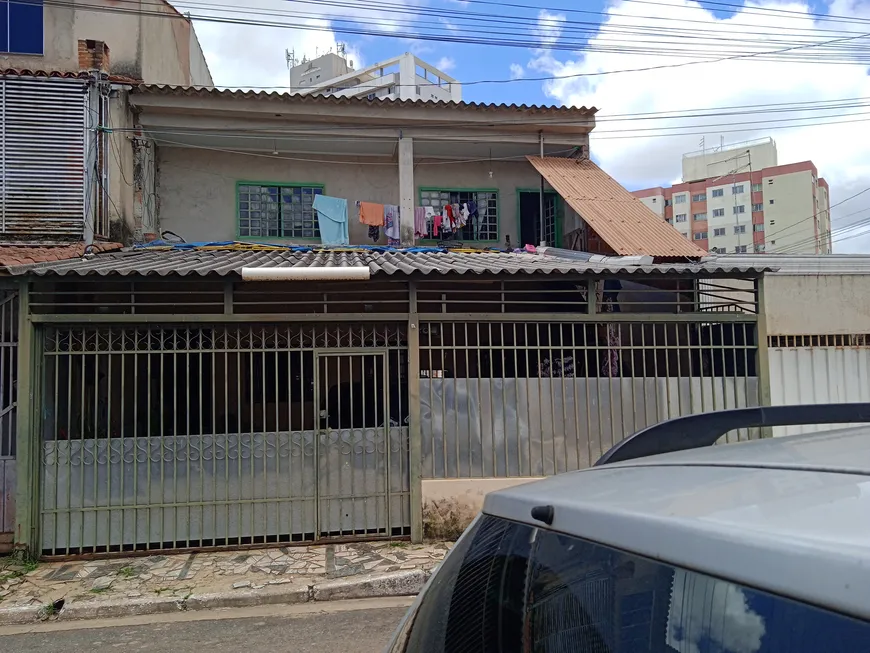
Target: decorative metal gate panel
[
  {"x": 190, "y": 437},
  {"x": 8, "y": 412}
]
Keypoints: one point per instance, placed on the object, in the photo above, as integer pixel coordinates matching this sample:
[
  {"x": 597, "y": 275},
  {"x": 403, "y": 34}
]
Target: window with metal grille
[
  {"x": 21, "y": 27},
  {"x": 278, "y": 211},
  {"x": 480, "y": 227}
]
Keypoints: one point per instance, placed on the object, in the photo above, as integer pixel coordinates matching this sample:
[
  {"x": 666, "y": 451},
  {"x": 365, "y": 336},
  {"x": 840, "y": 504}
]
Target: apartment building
[
  {"x": 401, "y": 78},
  {"x": 738, "y": 199}
]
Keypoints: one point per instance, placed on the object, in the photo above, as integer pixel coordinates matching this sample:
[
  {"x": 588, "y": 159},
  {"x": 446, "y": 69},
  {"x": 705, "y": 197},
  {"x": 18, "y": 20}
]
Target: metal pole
[
  {"x": 27, "y": 497},
  {"x": 762, "y": 359},
  {"x": 415, "y": 433},
  {"x": 541, "y": 240}
]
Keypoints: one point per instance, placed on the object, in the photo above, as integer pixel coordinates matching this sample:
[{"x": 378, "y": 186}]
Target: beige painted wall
[
  {"x": 788, "y": 222},
  {"x": 156, "y": 49},
  {"x": 468, "y": 492},
  {"x": 197, "y": 188},
  {"x": 817, "y": 304}
]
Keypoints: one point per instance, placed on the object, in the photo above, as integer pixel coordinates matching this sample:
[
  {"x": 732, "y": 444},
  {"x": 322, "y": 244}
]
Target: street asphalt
[{"x": 361, "y": 627}]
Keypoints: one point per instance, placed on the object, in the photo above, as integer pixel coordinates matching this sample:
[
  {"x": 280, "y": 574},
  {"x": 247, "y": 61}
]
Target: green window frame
[
  {"x": 277, "y": 210},
  {"x": 484, "y": 229}
]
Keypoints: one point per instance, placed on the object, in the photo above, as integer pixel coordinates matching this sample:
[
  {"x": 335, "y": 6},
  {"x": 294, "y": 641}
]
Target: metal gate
[
  {"x": 8, "y": 411},
  {"x": 222, "y": 435}
]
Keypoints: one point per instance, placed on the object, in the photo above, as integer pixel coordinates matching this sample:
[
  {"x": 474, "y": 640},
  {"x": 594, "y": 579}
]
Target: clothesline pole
[
  {"x": 541, "y": 240},
  {"x": 406, "y": 191}
]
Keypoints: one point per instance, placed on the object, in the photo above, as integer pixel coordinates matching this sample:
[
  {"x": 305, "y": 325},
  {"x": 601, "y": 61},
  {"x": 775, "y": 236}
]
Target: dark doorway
[{"x": 530, "y": 218}]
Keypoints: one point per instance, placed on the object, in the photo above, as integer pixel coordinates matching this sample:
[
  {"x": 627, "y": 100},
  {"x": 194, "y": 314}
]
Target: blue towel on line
[{"x": 332, "y": 219}]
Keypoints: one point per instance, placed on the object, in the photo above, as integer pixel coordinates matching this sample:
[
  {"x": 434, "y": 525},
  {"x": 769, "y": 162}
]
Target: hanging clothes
[
  {"x": 371, "y": 214},
  {"x": 432, "y": 219},
  {"x": 420, "y": 222},
  {"x": 375, "y": 234},
  {"x": 332, "y": 219},
  {"x": 391, "y": 225}
]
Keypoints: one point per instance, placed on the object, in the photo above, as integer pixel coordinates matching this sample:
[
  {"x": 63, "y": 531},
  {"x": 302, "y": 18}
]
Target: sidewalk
[{"x": 168, "y": 583}]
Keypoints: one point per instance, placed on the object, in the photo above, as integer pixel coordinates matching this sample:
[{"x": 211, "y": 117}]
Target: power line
[{"x": 462, "y": 39}]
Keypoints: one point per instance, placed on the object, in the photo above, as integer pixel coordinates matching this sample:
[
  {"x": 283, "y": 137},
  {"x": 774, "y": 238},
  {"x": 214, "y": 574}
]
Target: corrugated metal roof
[
  {"x": 799, "y": 264},
  {"x": 621, "y": 219},
  {"x": 224, "y": 262},
  {"x": 530, "y": 110}
]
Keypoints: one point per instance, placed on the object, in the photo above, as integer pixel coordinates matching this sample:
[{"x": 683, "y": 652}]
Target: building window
[
  {"x": 718, "y": 213},
  {"x": 740, "y": 249},
  {"x": 667, "y": 202},
  {"x": 771, "y": 201},
  {"x": 21, "y": 27},
  {"x": 740, "y": 229},
  {"x": 719, "y": 231},
  {"x": 679, "y": 199},
  {"x": 669, "y": 220},
  {"x": 737, "y": 189},
  {"x": 759, "y": 248},
  {"x": 700, "y": 197},
  {"x": 758, "y": 207},
  {"x": 773, "y": 222},
  {"x": 758, "y": 227},
  {"x": 653, "y": 200},
  {"x": 718, "y": 192},
  {"x": 717, "y": 250},
  {"x": 278, "y": 211},
  {"x": 697, "y": 217},
  {"x": 756, "y": 188},
  {"x": 681, "y": 217},
  {"x": 700, "y": 235},
  {"x": 484, "y": 227},
  {"x": 739, "y": 209}
]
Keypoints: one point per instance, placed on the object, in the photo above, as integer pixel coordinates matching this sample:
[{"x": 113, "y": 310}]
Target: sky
[{"x": 559, "y": 52}]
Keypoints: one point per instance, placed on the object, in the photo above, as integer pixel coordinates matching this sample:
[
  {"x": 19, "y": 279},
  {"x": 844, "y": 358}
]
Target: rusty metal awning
[{"x": 617, "y": 216}]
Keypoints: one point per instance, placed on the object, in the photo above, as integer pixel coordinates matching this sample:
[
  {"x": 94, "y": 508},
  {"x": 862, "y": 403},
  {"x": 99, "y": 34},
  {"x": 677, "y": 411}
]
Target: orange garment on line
[{"x": 371, "y": 214}]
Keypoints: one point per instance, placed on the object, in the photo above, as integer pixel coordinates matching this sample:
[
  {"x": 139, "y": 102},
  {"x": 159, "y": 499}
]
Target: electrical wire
[{"x": 475, "y": 39}]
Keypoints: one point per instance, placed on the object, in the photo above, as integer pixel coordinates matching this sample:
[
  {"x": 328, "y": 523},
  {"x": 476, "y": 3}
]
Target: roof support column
[{"x": 406, "y": 191}]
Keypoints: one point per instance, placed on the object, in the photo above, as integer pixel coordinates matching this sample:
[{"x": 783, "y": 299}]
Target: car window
[
  {"x": 476, "y": 600},
  {"x": 588, "y": 598}
]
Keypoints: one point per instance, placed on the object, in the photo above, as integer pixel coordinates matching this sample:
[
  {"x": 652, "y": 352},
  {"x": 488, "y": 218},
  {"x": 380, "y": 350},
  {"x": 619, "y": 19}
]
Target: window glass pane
[
  {"x": 476, "y": 603},
  {"x": 588, "y": 598},
  {"x": 481, "y": 225},
  {"x": 25, "y": 27},
  {"x": 278, "y": 211}
]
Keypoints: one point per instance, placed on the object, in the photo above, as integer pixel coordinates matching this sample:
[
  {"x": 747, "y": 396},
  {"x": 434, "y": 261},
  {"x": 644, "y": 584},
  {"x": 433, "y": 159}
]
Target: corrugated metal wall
[
  {"x": 809, "y": 373},
  {"x": 42, "y": 156}
]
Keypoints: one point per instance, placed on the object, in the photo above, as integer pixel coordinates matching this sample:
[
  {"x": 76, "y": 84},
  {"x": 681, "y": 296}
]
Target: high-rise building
[
  {"x": 738, "y": 199},
  {"x": 401, "y": 78}
]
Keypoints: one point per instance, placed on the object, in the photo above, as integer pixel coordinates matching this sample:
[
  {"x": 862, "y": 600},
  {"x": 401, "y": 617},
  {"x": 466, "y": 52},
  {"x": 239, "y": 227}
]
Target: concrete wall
[
  {"x": 197, "y": 188},
  {"x": 817, "y": 304},
  {"x": 736, "y": 158},
  {"x": 789, "y": 221},
  {"x": 200, "y": 75},
  {"x": 156, "y": 49}
]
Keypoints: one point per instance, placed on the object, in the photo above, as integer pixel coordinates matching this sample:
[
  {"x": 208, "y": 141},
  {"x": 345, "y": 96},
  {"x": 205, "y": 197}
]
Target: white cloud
[
  {"x": 517, "y": 71},
  {"x": 838, "y": 150},
  {"x": 253, "y": 55},
  {"x": 705, "y": 609},
  {"x": 549, "y": 28},
  {"x": 446, "y": 64}
]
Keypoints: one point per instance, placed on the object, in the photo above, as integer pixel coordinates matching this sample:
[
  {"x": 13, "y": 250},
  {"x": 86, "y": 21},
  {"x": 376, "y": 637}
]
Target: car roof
[{"x": 787, "y": 515}]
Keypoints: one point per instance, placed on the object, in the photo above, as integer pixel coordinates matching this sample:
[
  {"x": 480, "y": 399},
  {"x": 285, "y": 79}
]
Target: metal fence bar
[
  {"x": 611, "y": 378},
  {"x": 140, "y": 451}
]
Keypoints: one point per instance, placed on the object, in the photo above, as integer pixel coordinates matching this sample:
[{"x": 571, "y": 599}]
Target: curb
[{"x": 398, "y": 583}]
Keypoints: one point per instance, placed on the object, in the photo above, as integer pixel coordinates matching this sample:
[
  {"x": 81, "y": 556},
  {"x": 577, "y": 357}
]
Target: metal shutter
[{"x": 43, "y": 157}]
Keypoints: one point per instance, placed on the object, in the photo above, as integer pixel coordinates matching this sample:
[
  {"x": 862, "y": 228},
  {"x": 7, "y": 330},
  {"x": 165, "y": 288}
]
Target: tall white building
[
  {"x": 737, "y": 199},
  {"x": 401, "y": 78}
]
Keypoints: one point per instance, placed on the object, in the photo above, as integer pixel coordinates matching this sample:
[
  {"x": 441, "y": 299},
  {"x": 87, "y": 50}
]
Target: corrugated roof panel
[
  {"x": 224, "y": 262},
  {"x": 621, "y": 219},
  {"x": 199, "y": 91}
]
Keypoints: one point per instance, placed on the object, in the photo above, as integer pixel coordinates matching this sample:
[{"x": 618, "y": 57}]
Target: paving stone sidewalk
[{"x": 201, "y": 580}]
